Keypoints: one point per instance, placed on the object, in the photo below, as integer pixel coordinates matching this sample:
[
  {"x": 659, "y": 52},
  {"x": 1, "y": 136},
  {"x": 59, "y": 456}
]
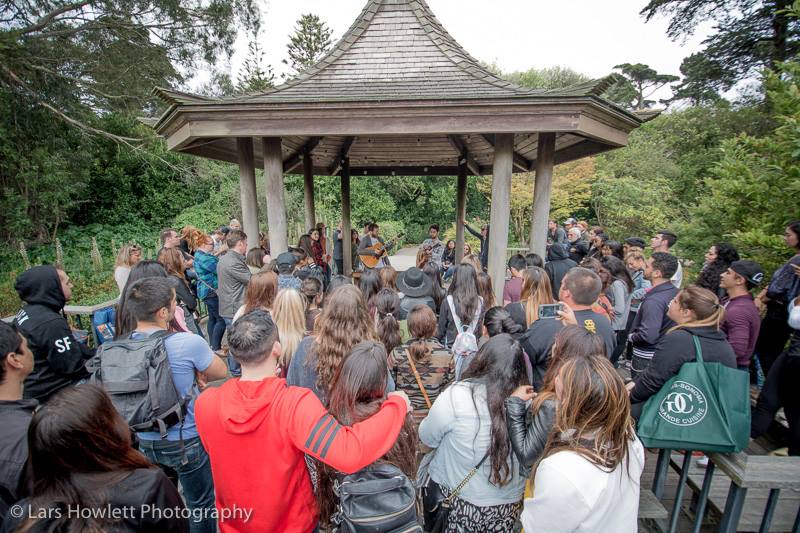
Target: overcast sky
[{"x": 588, "y": 36}]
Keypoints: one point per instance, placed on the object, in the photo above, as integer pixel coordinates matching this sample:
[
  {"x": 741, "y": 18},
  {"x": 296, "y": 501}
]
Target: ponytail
[
  {"x": 419, "y": 350},
  {"x": 388, "y": 329},
  {"x": 705, "y": 306}
]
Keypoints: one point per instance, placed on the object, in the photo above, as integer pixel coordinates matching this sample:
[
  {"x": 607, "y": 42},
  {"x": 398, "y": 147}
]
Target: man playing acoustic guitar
[{"x": 367, "y": 248}]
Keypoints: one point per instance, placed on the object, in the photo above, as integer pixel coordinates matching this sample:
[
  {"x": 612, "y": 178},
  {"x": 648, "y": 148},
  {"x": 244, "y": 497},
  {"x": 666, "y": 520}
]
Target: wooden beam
[
  {"x": 347, "y": 241},
  {"x": 343, "y": 153},
  {"x": 276, "y": 205},
  {"x": 500, "y": 215},
  {"x": 294, "y": 160},
  {"x": 461, "y": 209},
  {"x": 408, "y": 171},
  {"x": 542, "y": 190},
  {"x": 308, "y": 189},
  {"x": 520, "y": 163},
  {"x": 247, "y": 188},
  {"x": 458, "y": 144}
]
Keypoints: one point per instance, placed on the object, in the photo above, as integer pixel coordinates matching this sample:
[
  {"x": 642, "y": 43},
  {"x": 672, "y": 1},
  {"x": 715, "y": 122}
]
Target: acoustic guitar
[{"x": 371, "y": 261}]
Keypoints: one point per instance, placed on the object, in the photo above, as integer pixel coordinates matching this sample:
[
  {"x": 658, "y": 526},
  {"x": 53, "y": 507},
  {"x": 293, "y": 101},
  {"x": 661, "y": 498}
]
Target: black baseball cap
[
  {"x": 635, "y": 241},
  {"x": 749, "y": 270}
]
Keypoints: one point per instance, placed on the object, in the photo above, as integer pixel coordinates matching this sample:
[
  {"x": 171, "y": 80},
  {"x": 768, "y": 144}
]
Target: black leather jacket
[{"x": 528, "y": 431}]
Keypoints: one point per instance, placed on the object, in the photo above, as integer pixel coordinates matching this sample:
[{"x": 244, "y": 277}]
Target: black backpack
[
  {"x": 377, "y": 499},
  {"x": 137, "y": 375}
]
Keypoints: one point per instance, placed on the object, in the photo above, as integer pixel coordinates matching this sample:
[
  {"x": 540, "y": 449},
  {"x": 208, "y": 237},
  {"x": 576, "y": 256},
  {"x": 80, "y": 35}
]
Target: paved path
[{"x": 404, "y": 259}]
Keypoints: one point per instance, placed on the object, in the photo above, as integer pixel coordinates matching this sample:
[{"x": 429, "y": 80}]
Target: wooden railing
[{"x": 755, "y": 473}]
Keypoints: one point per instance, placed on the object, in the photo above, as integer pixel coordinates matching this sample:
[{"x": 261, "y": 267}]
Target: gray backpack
[{"x": 136, "y": 374}]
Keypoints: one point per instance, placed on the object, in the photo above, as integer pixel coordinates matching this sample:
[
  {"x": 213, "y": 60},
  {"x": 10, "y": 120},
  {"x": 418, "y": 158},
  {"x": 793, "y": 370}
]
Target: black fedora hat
[{"x": 414, "y": 282}]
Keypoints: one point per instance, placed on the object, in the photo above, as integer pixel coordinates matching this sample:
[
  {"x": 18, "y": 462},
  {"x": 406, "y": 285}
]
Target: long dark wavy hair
[
  {"x": 79, "y": 447},
  {"x": 357, "y": 392},
  {"x": 437, "y": 291},
  {"x": 370, "y": 283},
  {"x": 125, "y": 323},
  {"x": 709, "y": 276},
  {"x": 616, "y": 267},
  {"x": 464, "y": 290},
  {"x": 499, "y": 366}
]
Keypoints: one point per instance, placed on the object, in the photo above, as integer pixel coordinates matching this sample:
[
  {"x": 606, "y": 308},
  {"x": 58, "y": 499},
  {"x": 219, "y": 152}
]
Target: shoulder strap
[
  {"x": 474, "y": 325},
  {"x": 452, "y": 306},
  {"x": 419, "y": 379},
  {"x": 470, "y": 474},
  {"x": 697, "y": 350}
]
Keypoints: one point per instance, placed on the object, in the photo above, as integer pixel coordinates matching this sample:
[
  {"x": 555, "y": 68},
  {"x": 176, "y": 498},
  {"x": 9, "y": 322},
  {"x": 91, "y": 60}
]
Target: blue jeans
[
  {"x": 449, "y": 272},
  {"x": 233, "y": 365},
  {"x": 216, "y": 326},
  {"x": 194, "y": 474}
]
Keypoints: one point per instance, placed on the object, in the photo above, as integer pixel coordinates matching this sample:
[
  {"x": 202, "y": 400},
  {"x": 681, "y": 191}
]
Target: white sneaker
[{"x": 702, "y": 462}]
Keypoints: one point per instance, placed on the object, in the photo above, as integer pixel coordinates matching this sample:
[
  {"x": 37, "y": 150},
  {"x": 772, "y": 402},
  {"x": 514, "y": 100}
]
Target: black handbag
[{"x": 436, "y": 507}]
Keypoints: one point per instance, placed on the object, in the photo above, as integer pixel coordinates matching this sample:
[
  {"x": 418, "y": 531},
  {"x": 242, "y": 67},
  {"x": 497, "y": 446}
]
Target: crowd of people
[{"x": 306, "y": 386}]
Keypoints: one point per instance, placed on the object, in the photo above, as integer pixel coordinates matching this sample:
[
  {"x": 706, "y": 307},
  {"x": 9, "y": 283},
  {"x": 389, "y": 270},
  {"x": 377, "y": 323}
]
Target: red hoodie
[{"x": 256, "y": 433}]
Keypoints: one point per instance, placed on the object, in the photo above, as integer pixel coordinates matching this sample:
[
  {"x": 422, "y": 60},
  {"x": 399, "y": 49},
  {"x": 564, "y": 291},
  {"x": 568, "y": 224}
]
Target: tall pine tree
[
  {"x": 256, "y": 75},
  {"x": 311, "y": 39}
]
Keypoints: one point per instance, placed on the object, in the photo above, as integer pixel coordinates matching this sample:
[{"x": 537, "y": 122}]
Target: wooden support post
[
  {"x": 308, "y": 182},
  {"x": 461, "y": 208},
  {"x": 347, "y": 241},
  {"x": 276, "y": 205},
  {"x": 542, "y": 190},
  {"x": 498, "y": 222},
  {"x": 247, "y": 186}
]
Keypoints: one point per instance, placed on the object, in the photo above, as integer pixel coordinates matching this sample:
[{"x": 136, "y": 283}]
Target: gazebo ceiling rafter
[
  {"x": 463, "y": 153},
  {"x": 344, "y": 152},
  {"x": 296, "y": 159}
]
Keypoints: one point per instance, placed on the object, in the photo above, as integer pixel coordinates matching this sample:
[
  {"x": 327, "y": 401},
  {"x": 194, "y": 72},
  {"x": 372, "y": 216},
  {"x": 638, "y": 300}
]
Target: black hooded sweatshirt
[
  {"x": 58, "y": 358},
  {"x": 558, "y": 264}
]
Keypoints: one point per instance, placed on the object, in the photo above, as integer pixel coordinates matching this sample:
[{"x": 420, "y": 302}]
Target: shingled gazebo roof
[{"x": 398, "y": 95}]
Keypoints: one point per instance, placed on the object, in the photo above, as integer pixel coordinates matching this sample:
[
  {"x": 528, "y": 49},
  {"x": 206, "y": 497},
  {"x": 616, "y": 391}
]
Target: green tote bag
[{"x": 706, "y": 407}]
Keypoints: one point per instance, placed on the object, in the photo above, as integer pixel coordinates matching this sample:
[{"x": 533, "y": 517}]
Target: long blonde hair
[
  {"x": 124, "y": 255},
  {"x": 344, "y": 322},
  {"x": 705, "y": 306},
  {"x": 536, "y": 291},
  {"x": 288, "y": 311},
  {"x": 593, "y": 417}
]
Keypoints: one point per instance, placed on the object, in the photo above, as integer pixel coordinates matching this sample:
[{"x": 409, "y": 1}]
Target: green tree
[
  {"x": 311, "y": 39},
  {"x": 637, "y": 84},
  {"x": 546, "y": 78},
  {"x": 256, "y": 76},
  {"x": 748, "y": 35},
  {"x": 703, "y": 80},
  {"x": 752, "y": 192}
]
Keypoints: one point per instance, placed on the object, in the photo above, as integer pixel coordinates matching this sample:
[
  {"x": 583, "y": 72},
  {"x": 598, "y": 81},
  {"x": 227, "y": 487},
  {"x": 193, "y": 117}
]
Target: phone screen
[{"x": 549, "y": 310}]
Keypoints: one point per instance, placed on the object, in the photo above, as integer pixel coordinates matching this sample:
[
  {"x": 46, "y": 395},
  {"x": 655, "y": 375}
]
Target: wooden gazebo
[{"x": 398, "y": 96}]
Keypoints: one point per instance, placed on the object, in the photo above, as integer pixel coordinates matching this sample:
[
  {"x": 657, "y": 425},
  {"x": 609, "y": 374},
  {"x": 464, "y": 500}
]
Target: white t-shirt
[
  {"x": 573, "y": 495},
  {"x": 121, "y": 274},
  {"x": 677, "y": 278}
]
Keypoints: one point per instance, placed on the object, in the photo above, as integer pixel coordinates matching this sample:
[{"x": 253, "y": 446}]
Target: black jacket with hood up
[
  {"x": 58, "y": 358},
  {"x": 557, "y": 266},
  {"x": 675, "y": 349}
]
